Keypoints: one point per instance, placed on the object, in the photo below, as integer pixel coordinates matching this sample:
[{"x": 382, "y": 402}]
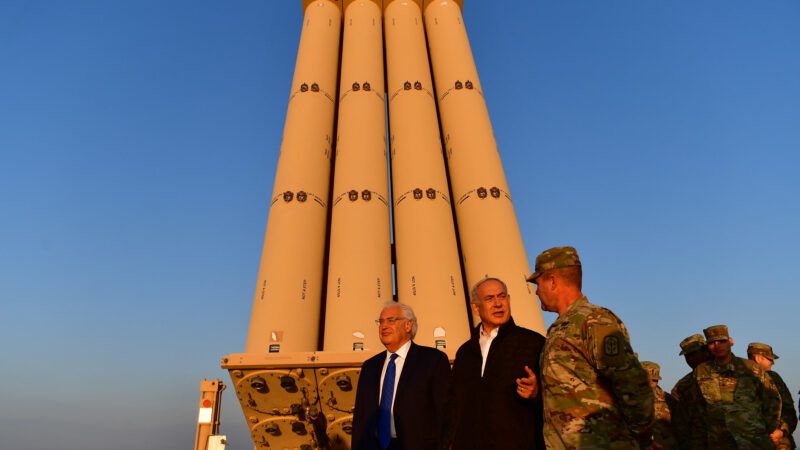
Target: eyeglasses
[{"x": 389, "y": 320}]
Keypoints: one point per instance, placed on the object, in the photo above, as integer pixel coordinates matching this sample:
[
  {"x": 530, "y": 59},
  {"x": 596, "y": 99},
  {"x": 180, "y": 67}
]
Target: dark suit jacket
[
  {"x": 418, "y": 402},
  {"x": 485, "y": 413}
]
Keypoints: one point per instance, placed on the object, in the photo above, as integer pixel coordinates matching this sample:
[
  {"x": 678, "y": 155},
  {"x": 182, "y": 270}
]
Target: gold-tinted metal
[
  {"x": 491, "y": 242},
  {"x": 210, "y": 408},
  {"x": 294, "y": 399},
  {"x": 293, "y": 396},
  {"x": 428, "y": 270},
  {"x": 360, "y": 271},
  {"x": 305, "y": 3},
  {"x": 337, "y": 391},
  {"x": 286, "y": 307}
]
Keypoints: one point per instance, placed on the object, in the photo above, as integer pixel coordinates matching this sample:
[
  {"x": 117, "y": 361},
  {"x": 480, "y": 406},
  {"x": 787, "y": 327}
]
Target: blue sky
[{"x": 138, "y": 143}]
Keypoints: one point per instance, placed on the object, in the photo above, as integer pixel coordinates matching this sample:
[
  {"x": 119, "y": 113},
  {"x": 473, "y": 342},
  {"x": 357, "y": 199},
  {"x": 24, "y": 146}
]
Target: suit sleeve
[
  {"x": 359, "y": 418},
  {"x": 440, "y": 381},
  {"x": 451, "y": 406},
  {"x": 537, "y": 343}
]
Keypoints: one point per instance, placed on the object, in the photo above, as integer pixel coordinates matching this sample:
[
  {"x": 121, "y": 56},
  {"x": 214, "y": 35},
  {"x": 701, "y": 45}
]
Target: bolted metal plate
[
  {"x": 337, "y": 390},
  {"x": 283, "y": 432},
  {"x": 340, "y": 433},
  {"x": 276, "y": 391},
  {"x": 297, "y": 401}
]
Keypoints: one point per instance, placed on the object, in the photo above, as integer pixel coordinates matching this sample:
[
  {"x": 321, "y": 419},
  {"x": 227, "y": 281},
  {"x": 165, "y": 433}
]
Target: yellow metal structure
[
  {"x": 294, "y": 395},
  {"x": 491, "y": 243},
  {"x": 209, "y": 410},
  {"x": 360, "y": 259},
  {"x": 300, "y": 400},
  {"x": 289, "y": 287},
  {"x": 428, "y": 269}
]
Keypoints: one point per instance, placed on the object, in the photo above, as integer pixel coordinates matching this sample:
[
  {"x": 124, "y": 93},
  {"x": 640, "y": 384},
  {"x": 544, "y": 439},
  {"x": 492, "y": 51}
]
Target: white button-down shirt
[
  {"x": 401, "y": 352},
  {"x": 485, "y": 340}
]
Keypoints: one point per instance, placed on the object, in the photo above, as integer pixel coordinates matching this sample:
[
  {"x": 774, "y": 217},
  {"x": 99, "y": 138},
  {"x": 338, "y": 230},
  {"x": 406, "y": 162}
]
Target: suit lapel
[
  {"x": 408, "y": 369},
  {"x": 493, "y": 349},
  {"x": 375, "y": 390}
]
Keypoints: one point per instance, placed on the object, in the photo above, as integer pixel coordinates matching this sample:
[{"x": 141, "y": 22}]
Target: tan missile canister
[
  {"x": 286, "y": 308},
  {"x": 491, "y": 242},
  {"x": 428, "y": 271},
  {"x": 360, "y": 265}
]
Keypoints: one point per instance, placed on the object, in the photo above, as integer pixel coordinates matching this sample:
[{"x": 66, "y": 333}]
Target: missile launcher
[{"x": 365, "y": 114}]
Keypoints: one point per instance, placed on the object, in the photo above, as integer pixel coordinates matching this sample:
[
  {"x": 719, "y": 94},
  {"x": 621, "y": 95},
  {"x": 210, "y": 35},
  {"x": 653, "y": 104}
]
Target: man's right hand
[{"x": 527, "y": 387}]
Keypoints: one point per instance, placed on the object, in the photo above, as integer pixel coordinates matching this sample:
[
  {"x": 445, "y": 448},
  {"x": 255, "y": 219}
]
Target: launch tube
[
  {"x": 360, "y": 265},
  {"x": 428, "y": 272},
  {"x": 491, "y": 242},
  {"x": 286, "y": 306}
]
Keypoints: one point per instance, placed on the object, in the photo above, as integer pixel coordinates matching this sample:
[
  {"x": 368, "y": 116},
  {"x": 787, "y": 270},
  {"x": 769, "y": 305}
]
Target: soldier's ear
[{"x": 731, "y": 341}]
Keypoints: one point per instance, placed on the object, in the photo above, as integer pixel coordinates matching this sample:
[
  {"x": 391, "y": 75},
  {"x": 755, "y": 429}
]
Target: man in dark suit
[
  {"x": 493, "y": 401},
  {"x": 400, "y": 395}
]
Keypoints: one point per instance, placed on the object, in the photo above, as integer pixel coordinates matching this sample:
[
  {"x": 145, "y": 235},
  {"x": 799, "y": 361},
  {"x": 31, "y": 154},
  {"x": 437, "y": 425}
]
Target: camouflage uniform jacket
[
  {"x": 595, "y": 392},
  {"x": 788, "y": 413},
  {"x": 742, "y": 405},
  {"x": 688, "y": 424},
  {"x": 662, "y": 430}
]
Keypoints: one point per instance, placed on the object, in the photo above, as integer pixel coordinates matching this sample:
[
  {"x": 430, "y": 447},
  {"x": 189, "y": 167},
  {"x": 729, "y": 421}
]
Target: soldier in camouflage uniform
[
  {"x": 762, "y": 355},
  {"x": 664, "y": 405},
  {"x": 742, "y": 406},
  {"x": 595, "y": 391},
  {"x": 686, "y": 422}
]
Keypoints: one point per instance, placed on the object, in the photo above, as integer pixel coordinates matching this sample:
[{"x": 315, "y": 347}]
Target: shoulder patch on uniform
[{"x": 611, "y": 347}]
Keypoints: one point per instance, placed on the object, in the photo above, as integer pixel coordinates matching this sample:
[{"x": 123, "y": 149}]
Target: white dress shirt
[
  {"x": 485, "y": 340},
  {"x": 401, "y": 352}
]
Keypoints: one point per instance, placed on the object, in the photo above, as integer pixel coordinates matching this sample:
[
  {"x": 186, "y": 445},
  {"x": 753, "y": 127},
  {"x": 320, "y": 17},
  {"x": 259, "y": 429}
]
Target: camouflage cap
[
  {"x": 717, "y": 333},
  {"x": 757, "y": 348},
  {"x": 554, "y": 258},
  {"x": 692, "y": 344},
  {"x": 653, "y": 369}
]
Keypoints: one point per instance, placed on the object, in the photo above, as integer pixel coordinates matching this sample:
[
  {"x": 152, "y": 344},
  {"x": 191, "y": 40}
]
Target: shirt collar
[
  {"x": 490, "y": 334},
  {"x": 402, "y": 351},
  {"x": 575, "y": 304},
  {"x": 724, "y": 367},
  {"x": 569, "y": 310},
  {"x": 580, "y": 301}
]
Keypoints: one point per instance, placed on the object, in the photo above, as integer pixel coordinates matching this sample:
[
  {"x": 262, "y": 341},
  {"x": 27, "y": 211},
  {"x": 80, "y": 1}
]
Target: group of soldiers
[
  {"x": 725, "y": 402},
  {"x": 580, "y": 387}
]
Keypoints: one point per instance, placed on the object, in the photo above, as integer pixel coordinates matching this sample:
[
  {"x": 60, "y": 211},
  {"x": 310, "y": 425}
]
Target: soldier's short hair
[
  {"x": 573, "y": 275},
  {"x": 406, "y": 312},
  {"x": 473, "y": 295}
]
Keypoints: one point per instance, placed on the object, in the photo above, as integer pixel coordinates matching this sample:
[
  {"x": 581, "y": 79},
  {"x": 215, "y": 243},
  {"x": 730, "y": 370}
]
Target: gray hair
[
  {"x": 406, "y": 312},
  {"x": 473, "y": 295}
]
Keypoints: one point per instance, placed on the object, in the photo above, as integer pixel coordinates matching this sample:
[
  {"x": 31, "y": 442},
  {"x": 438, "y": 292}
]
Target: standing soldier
[
  {"x": 595, "y": 391},
  {"x": 742, "y": 406},
  {"x": 686, "y": 422},
  {"x": 664, "y": 405},
  {"x": 762, "y": 355}
]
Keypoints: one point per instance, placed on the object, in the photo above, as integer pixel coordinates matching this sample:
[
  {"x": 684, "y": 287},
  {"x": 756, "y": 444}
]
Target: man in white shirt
[
  {"x": 401, "y": 391},
  {"x": 493, "y": 401}
]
